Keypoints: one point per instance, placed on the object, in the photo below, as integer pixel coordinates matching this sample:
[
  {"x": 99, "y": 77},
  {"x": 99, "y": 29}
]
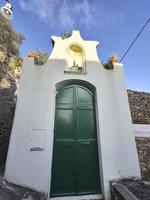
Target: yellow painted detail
[
  {"x": 75, "y": 56},
  {"x": 76, "y": 48}
]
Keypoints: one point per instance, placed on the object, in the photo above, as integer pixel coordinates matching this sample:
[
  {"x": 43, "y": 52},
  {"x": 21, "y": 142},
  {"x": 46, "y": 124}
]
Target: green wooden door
[{"x": 75, "y": 167}]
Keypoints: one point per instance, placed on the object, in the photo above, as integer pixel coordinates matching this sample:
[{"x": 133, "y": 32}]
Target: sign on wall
[{"x": 141, "y": 130}]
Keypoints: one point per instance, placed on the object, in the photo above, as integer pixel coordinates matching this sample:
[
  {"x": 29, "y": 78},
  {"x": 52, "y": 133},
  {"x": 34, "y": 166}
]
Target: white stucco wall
[
  {"x": 35, "y": 113},
  {"x": 59, "y": 51}
]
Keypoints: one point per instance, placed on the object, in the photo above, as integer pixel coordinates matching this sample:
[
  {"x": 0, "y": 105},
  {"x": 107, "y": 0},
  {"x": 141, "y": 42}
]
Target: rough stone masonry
[{"x": 140, "y": 112}]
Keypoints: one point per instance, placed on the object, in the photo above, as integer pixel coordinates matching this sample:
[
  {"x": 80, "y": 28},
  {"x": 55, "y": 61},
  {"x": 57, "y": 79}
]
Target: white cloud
[
  {"x": 44, "y": 9},
  {"x": 65, "y": 17},
  {"x": 70, "y": 14},
  {"x": 63, "y": 12},
  {"x": 85, "y": 11}
]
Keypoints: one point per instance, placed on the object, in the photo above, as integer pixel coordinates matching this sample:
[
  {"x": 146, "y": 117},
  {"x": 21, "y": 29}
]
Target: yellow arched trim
[{"x": 76, "y": 48}]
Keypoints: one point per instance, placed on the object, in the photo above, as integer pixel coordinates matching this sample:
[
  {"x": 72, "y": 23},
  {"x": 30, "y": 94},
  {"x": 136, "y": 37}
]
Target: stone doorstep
[
  {"x": 83, "y": 197},
  {"x": 124, "y": 192}
]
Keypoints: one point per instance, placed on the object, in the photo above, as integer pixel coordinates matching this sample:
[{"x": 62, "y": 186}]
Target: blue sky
[{"x": 113, "y": 23}]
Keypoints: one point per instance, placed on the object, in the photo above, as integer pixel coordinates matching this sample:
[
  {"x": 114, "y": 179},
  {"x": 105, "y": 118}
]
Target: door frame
[{"x": 59, "y": 86}]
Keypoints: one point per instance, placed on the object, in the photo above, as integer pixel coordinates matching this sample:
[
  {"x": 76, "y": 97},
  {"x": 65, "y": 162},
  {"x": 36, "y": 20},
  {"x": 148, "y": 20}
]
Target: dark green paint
[{"x": 75, "y": 167}]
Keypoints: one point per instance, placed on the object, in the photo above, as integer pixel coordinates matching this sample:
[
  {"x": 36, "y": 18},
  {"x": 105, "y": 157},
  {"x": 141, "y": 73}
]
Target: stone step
[{"x": 82, "y": 197}]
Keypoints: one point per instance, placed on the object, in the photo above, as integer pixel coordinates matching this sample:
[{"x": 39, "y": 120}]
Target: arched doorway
[{"x": 75, "y": 166}]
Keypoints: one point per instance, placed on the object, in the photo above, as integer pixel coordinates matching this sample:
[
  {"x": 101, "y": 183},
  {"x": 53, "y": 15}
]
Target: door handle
[{"x": 85, "y": 142}]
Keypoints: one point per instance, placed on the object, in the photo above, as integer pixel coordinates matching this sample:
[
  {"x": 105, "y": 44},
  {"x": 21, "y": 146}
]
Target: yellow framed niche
[{"x": 75, "y": 58}]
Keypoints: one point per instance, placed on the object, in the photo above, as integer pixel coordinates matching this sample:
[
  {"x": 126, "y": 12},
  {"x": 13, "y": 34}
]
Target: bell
[{"x": 6, "y": 11}]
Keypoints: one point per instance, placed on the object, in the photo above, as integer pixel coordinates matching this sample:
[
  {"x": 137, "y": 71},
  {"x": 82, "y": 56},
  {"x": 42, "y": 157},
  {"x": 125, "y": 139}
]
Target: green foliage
[
  {"x": 10, "y": 40},
  {"x": 65, "y": 35},
  {"x": 41, "y": 58},
  {"x": 108, "y": 66},
  {"x": 15, "y": 63}
]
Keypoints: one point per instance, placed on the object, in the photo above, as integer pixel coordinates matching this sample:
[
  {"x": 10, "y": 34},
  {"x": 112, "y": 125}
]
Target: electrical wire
[{"x": 135, "y": 40}]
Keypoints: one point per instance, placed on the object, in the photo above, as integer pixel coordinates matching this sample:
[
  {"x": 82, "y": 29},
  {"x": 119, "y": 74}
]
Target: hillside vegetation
[{"x": 10, "y": 67}]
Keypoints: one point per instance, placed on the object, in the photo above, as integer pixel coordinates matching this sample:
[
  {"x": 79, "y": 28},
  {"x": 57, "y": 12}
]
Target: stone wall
[
  {"x": 8, "y": 85},
  {"x": 143, "y": 148},
  {"x": 7, "y": 107},
  {"x": 140, "y": 112},
  {"x": 139, "y": 106},
  {"x": 4, "y": 140}
]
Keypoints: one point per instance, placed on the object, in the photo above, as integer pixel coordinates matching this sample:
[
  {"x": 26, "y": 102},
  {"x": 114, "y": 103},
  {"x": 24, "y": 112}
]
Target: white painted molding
[
  {"x": 141, "y": 130},
  {"x": 117, "y": 64},
  {"x": 61, "y": 45}
]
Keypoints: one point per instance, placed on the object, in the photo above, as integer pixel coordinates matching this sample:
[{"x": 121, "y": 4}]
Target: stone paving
[
  {"x": 141, "y": 189},
  {"x": 130, "y": 189},
  {"x": 12, "y": 192}
]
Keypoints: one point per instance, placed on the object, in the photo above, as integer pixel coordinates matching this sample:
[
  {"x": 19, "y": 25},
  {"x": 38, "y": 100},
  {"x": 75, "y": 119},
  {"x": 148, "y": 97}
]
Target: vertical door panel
[
  {"x": 63, "y": 176},
  {"x": 85, "y": 122},
  {"x": 87, "y": 151},
  {"x": 65, "y": 96},
  {"x": 63, "y": 179},
  {"x": 64, "y": 126},
  {"x": 88, "y": 175},
  {"x": 84, "y": 96}
]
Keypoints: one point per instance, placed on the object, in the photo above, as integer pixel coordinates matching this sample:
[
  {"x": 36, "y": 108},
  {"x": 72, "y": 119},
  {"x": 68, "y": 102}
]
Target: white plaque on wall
[{"x": 141, "y": 130}]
